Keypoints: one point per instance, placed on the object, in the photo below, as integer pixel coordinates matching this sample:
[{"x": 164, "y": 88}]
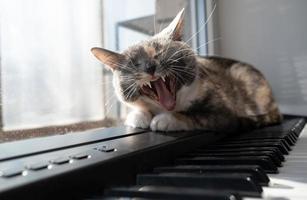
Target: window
[{"x": 50, "y": 82}]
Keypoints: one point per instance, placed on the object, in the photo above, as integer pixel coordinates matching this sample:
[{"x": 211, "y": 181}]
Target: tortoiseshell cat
[{"x": 171, "y": 89}]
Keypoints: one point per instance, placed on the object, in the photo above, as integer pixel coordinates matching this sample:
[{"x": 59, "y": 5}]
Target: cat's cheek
[
  {"x": 167, "y": 122},
  {"x": 138, "y": 119}
]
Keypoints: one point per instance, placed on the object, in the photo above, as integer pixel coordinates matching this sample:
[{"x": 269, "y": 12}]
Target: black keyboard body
[{"x": 122, "y": 162}]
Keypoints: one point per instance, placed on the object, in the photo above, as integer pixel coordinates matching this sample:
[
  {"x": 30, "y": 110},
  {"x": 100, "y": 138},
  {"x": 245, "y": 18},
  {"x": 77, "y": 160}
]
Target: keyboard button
[
  {"x": 11, "y": 172},
  {"x": 263, "y": 161},
  {"x": 60, "y": 160},
  {"x": 257, "y": 172},
  {"x": 38, "y": 165},
  {"x": 80, "y": 156},
  {"x": 171, "y": 193},
  {"x": 105, "y": 148},
  {"x": 243, "y": 183}
]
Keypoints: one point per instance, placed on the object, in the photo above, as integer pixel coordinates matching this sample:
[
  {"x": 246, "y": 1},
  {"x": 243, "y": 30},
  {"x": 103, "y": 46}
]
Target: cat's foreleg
[
  {"x": 183, "y": 122},
  {"x": 138, "y": 119},
  {"x": 172, "y": 122}
]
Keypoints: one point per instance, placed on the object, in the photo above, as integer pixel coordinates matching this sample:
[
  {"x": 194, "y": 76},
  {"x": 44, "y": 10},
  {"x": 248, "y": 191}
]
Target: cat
[{"x": 170, "y": 88}]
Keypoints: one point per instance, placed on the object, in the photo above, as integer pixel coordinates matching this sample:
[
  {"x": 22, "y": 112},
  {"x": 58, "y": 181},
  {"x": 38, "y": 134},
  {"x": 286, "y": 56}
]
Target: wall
[{"x": 272, "y": 35}]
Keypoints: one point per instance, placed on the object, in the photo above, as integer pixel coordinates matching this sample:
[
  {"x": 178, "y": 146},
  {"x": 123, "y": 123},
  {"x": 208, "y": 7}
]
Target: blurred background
[{"x": 49, "y": 77}]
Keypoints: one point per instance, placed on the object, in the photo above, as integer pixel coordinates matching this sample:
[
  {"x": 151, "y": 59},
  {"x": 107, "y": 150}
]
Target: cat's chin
[{"x": 161, "y": 90}]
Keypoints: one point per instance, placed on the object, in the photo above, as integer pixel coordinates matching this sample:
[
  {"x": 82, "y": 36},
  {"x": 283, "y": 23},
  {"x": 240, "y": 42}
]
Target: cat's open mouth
[{"x": 163, "y": 91}]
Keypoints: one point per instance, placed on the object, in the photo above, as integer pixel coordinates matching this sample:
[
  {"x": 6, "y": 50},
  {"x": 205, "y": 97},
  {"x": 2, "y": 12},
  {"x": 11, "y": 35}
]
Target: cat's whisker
[
  {"x": 108, "y": 101},
  {"x": 206, "y": 43},
  {"x": 203, "y": 25},
  {"x": 184, "y": 56},
  {"x": 127, "y": 78},
  {"x": 130, "y": 86},
  {"x": 106, "y": 83},
  {"x": 131, "y": 92},
  {"x": 129, "y": 89},
  {"x": 124, "y": 66},
  {"x": 181, "y": 50},
  {"x": 179, "y": 71},
  {"x": 169, "y": 43},
  {"x": 176, "y": 76},
  {"x": 173, "y": 60},
  {"x": 184, "y": 78},
  {"x": 154, "y": 23},
  {"x": 109, "y": 108}
]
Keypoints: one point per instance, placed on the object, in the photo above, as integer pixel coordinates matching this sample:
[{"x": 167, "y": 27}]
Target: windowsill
[{"x": 7, "y": 136}]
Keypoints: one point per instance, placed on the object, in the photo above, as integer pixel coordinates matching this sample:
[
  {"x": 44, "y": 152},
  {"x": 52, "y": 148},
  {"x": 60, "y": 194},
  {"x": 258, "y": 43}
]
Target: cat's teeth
[
  {"x": 163, "y": 78},
  {"x": 149, "y": 84}
]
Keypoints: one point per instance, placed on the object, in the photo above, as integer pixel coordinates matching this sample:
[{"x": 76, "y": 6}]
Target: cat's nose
[{"x": 150, "y": 68}]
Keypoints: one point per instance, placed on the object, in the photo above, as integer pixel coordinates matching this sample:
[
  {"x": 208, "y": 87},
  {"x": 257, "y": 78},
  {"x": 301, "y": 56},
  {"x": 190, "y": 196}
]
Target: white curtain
[{"x": 48, "y": 75}]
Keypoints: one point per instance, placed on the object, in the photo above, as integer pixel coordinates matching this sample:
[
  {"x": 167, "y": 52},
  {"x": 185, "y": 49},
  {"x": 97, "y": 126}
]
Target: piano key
[
  {"x": 290, "y": 139},
  {"x": 281, "y": 147},
  {"x": 291, "y": 182},
  {"x": 264, "y": 161},
  {"x": 268, "y": 132},
  {"x": 276, "y": 151},
  {"x": 270, "y": 154},
  {"x": 285, "y": 127},
  {"x": 280, "y": 140},
  {"x": 172, "y": 193},
  {"x": 257, "y": 172},
  {"x": 243, "y": 183}
]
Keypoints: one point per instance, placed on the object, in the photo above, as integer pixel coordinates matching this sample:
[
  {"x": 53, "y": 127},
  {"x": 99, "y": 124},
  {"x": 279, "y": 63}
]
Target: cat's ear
[
  {"x": 109, "y": 58},
  {"x": 174, "y": 30}
]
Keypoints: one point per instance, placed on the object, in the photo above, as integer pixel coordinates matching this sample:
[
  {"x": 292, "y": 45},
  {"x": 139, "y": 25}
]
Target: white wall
[{"x": 272, "y": 35}]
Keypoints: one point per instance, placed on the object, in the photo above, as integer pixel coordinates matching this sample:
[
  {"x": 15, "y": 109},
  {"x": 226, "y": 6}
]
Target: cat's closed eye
[{"x": 137, "y": 64}]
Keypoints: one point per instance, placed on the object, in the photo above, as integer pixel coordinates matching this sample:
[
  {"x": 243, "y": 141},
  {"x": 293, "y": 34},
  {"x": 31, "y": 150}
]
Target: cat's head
[{"x": 155, "y": 69}]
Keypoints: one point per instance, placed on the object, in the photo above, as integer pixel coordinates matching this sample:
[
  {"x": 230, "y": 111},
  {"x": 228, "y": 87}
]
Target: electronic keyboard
[{"x": 125, "y": 163}]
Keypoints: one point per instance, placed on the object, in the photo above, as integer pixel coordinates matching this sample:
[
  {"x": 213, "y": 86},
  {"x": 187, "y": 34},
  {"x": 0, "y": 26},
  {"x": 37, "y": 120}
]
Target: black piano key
[
  {"x": 285, "y": 127},
  {"x": 290, "y": 140},
  {"x": 243, "y": 183},
  {"x": 243, "y": 137},
  {"x": 264, "y": 161},
  {"x": 257, "y": 172},
  {"x": 276, "y": 151},
  {"x": 281, "y": 147},
  {"x": 270, "y": 154},
  {"x": 172, "y": 193},
  {"x": 280, "y": 140},
  {"x": 266, "y": 133},
  {"x": 293, "y": 137}
]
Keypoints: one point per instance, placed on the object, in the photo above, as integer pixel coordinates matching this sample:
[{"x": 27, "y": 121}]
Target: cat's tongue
[{"x": 166, "y": 99}]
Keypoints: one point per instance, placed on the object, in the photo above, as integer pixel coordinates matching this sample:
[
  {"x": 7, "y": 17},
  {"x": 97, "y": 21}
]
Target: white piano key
[{"x": 291, "y": 182}]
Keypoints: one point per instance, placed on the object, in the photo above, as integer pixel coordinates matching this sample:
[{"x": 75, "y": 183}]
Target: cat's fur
[{"x": 170, "y": 88}]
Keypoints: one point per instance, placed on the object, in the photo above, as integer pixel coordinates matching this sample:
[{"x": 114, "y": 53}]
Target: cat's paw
[
  {"x": 167, "y": 122},
  {"x": 138, "y": 119}
]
